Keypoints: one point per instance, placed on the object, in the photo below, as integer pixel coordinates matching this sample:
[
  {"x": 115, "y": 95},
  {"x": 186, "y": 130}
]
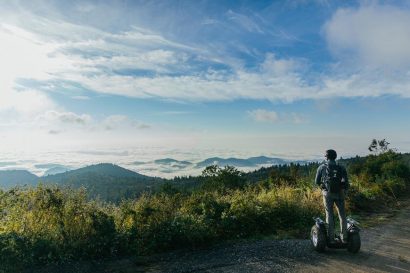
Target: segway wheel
[
  {"x": 354, "y": 243},
  {"x": 318, "y": 239}
]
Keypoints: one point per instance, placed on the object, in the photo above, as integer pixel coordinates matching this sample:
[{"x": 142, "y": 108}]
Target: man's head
[{"x": 331, "y": 154}]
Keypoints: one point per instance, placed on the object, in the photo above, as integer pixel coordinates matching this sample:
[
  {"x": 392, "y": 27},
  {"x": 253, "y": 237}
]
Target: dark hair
[{"x": 331, "y": 154}]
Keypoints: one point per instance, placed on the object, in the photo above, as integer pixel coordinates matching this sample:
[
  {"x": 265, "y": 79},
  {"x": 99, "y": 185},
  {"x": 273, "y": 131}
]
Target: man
[{"x": 332, "y": 179}]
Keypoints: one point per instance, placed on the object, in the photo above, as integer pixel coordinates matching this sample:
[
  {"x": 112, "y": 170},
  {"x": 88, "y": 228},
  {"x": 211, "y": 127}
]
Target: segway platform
[{"x": 320, "y": 240}]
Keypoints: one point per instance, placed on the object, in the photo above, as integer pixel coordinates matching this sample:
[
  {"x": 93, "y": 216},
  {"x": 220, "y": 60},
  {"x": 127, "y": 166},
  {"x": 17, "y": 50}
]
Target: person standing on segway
[{"x": 332, "y": 179}]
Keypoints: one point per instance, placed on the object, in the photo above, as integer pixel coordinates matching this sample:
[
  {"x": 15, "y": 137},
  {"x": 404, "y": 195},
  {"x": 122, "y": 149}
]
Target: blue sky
[{"x": 289, "y": 78}]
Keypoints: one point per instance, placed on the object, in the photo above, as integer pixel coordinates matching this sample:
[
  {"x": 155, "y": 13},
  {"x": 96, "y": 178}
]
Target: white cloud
[
  {"x": 21, "y": 56},
  {"x": 85, "y": 7},
  {"x": 244, "y": 21},
  {"x": 262, "y": 115},
  {"x": 56, "y": 122},
  {"x": 209, "y": 21},
  {"x": 122, "y": 122},
  {"x": 80, "y": 97},
  {"x": 375, "y": 35},
  {"x": 25, "y": 102},
  {"x": 65, "y": 118},
  {"x": 54, "y": 132},
  {"x": 143, "y": 126},
  {"x": 275, "y": 79},
  {"x": 298, "y": 118},
  {"x": 273, "y": 66},
  {"x": 114, "y": 121},
  {"x": 269, "y": 116}
]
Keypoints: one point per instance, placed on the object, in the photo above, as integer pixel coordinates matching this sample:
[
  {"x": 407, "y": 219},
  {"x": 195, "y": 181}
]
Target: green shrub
[{"x": 55, "y": 225}]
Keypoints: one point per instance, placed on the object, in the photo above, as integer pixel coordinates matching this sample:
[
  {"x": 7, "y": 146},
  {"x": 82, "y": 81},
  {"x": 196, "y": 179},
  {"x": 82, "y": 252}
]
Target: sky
[{"x": 120, "y": 81}]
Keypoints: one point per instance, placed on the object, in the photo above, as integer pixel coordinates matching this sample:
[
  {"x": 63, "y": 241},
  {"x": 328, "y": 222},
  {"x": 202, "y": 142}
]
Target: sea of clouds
[{"x": 145, "y": 160}]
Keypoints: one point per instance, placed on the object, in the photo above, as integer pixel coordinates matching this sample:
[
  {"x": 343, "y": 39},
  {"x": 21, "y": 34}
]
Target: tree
[
  {"x": 222, "y": 179},
  {"x": 379, "y": 146},
  {"x": 168, "y": 188}
]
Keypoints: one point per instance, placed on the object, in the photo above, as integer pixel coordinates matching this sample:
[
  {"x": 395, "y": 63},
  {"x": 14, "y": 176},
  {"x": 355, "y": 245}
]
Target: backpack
[{"x": 333, "y": 178}]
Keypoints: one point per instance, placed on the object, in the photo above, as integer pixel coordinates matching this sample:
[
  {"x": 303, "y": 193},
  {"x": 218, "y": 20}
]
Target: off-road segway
[{"x": 320, "y": 240}]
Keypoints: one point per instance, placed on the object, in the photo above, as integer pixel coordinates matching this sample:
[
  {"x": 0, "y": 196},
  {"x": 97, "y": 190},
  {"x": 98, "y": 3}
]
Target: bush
[
  {"x": 378, "y": 181},
  {"x": 46, "y": 225}
]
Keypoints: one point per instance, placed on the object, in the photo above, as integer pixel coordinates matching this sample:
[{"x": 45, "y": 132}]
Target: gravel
[{"x": 246, "y": 256}]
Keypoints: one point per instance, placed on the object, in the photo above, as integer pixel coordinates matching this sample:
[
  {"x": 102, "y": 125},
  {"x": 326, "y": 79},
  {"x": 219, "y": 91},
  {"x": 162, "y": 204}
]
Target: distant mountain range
[
  {"x": 167, "y": 161},
  {"x": 113, "y": 183},
  {"x": 232, "y": 161}
]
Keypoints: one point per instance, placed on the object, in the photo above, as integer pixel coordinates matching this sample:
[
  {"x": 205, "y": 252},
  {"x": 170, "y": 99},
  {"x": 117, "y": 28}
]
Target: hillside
[
  {"x": 106, "y": 181},
  {"x": 104, "y": 169},
  {"x": 12, "y": 178}
]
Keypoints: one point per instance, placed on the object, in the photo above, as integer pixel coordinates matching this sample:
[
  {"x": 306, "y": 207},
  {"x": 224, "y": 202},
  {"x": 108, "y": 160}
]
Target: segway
[{"x": 320, "y": 239}]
